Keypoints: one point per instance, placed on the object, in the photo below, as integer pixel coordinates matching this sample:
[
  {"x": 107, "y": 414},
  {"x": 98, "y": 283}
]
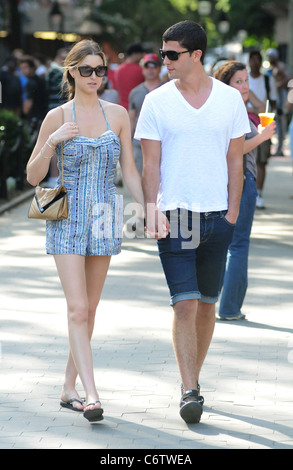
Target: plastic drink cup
[{"x": 266, "y": 118}]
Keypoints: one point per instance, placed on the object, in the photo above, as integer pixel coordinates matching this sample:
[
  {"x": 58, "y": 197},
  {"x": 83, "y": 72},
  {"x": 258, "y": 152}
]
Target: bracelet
[
  {"x": 53, "y": 148},
  {"x": 50, "y": 143},
  {"x": 45, "y": 158}
]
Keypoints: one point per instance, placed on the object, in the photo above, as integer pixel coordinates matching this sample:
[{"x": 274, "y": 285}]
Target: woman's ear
[{"x": 72, "y": 72}]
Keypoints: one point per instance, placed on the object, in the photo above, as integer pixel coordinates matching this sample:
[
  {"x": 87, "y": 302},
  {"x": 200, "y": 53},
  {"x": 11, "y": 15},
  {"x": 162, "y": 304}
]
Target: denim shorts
[{"x": 193, "y": 255}]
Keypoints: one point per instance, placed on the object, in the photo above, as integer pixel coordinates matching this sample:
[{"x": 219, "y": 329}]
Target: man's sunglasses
[
  {"x": 87, "y": 71},
  {"x": 172, "y": 55}
]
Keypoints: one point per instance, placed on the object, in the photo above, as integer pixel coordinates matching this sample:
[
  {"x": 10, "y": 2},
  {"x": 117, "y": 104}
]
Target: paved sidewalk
[{"x": 247, "y": 378}]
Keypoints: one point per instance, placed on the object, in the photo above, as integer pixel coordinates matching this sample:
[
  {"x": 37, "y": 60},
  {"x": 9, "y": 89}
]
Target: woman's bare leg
[
  {"x": 96, "y": 272},
  {"x": 82, "y": 280}
]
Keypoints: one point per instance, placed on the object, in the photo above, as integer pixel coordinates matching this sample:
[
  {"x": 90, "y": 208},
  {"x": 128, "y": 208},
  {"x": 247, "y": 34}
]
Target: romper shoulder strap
[
  {"x": 108, "y": 125},
  {"x": 73, "y": 111}
]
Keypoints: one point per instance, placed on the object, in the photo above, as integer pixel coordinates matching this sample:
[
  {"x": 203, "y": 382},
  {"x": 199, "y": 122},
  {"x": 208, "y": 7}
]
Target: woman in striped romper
[{"x": 95, "y": 136}]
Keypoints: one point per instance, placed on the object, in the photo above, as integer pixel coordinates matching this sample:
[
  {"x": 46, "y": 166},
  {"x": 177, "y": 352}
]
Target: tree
[
  {"x": 142, "y": 21},
  {"x": 146, "y": 20},
  {"x": 251, "y": 16},
  {"x": 15, "y": 34}
]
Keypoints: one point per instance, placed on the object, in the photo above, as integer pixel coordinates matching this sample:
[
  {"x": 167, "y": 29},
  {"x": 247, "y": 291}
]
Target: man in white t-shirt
[{"x": 192, "y": 133}]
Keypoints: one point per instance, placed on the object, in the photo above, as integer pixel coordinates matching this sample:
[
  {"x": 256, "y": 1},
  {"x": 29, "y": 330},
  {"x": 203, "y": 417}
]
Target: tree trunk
[{"x": 15, "y": 33}]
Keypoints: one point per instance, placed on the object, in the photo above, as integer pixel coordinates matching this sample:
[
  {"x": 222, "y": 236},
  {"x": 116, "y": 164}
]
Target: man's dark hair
[
  {"x": 134, "y": 48},
  {"x": 189, "y": 35},
  {"x": 255, "y": 53},
  {"x": 29, "y": 61}
]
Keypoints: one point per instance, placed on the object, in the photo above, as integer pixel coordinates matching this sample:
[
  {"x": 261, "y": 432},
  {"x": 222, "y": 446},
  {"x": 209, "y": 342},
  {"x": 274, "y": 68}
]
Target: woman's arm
[
  {"x": 132, "y": 117},
  {"x": 51, "y": 133},
  {"x": 265, "y": 133},
  {"x": 157, "y": 223},
  {"x": 129, "y": 171}
]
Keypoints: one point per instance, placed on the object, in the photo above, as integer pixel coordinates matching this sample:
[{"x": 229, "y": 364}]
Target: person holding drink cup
[
  {"x": 234, "y": 73},
  {"x": 264, "y": 152},
  {"x": 266, "y": 118}
]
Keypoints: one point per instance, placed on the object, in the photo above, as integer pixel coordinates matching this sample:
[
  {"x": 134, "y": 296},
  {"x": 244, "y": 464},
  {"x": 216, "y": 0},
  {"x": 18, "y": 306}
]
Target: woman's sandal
[
  {"x": 69, "y": 404},
  {"x": 96, "y": 414}
]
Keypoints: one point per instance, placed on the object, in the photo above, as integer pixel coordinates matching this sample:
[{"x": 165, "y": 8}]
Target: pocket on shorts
[
  {"x": 228, "y": 223},
  {"x": 184, "y": 232},
  {"x": 223, "y": 217}
]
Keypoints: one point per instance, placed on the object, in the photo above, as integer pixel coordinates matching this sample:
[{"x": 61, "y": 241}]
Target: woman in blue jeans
[{"x": 234, "y": 73}]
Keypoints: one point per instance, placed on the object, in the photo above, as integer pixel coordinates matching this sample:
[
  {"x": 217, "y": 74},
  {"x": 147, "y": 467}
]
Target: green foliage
[
  {"x": 9, "y": 121},
  {"x": 184, "y": 5},
  {"x": 223, "y": 5},
  {"x": 123, "y": 22},
  {"x": 131, "y": 21},
  {"x": 253, "y": 42},
  {"x": 251, "y": 16}
]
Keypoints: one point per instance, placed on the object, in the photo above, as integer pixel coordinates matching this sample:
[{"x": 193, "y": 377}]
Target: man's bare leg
[{"x": 193, "y": 328}]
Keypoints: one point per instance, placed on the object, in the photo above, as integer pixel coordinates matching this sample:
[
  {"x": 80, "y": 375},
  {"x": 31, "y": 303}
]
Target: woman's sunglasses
[
  {"x": 172, "y": 55},
  {"x": 87, "y": 71}
]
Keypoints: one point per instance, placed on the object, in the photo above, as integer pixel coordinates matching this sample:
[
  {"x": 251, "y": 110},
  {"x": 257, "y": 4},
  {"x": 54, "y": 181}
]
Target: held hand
[
  {"x": 268, "y": 131},
  {"x": 157, "y": 224},
  {"x": 67, "y": 131}
]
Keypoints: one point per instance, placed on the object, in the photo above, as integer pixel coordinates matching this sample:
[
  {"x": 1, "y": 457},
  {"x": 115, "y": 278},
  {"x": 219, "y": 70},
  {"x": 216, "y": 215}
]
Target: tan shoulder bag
[{"x": 50, "y": 203}]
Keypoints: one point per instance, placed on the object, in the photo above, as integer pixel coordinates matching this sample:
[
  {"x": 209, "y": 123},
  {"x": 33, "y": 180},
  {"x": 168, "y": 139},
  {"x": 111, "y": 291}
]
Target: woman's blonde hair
[{"x": 78, "y": 52}]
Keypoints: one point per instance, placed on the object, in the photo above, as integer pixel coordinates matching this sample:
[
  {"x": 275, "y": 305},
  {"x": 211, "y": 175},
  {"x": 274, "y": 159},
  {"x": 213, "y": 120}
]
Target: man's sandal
[{"x": 191, "y": 406}]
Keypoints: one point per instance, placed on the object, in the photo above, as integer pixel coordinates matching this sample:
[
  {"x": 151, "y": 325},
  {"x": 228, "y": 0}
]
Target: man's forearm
[
  {"x": 235, "y": 187},
  {"x": 235, "y": 178}
]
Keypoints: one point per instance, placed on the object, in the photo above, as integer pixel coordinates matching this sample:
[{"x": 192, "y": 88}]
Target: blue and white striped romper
[{"x": 95, "y": 208}]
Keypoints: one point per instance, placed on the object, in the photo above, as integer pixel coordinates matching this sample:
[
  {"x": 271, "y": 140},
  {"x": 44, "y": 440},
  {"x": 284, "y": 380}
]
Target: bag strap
[{"x": 62, "y": 110}]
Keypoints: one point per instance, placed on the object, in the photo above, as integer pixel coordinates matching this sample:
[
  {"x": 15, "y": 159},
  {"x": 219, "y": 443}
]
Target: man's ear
[{"x": 197, "y": 55}]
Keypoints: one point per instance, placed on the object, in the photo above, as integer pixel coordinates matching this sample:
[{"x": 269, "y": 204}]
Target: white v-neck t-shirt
[{"x": 194, "y": 144}]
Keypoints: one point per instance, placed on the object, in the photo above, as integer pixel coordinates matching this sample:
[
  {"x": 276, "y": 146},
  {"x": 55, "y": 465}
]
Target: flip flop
[
  {"x": 94, "y": 415},
  {"x": 68, "y": 404}
]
